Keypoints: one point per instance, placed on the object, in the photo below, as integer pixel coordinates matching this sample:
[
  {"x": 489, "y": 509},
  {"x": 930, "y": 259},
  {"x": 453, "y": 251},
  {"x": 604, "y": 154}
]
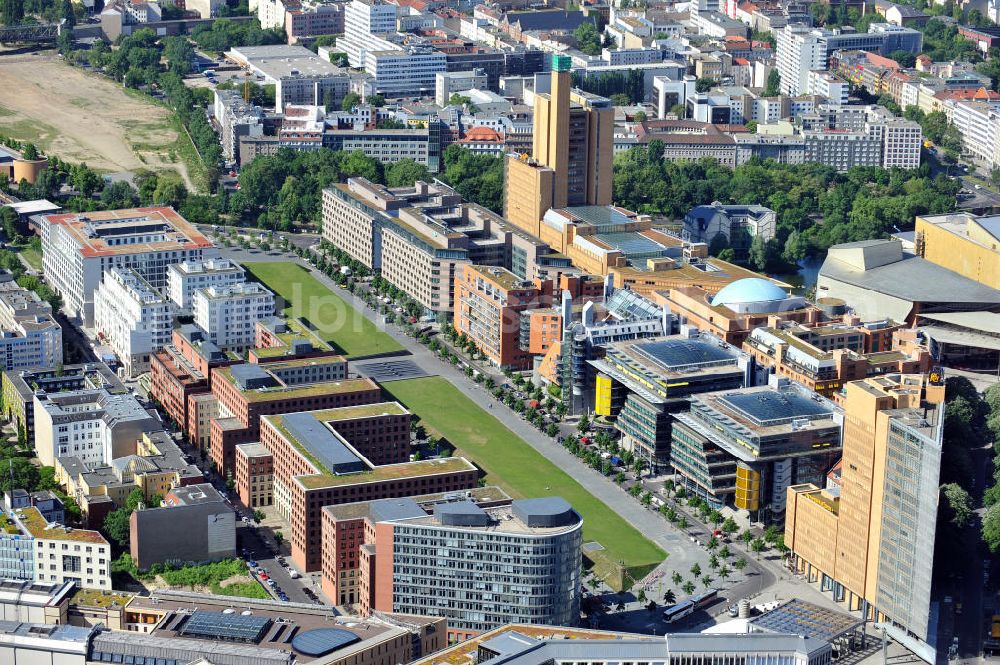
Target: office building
[
  {"x": 286, "y": 339},
  {"x": 181, "y": 626},
  {"x": 314, "y": 466},
  {"x": 194, "y": 524},
  {"x": 825, "y": 357},
  {"x": 584, "y": 331},
  {"x": 254, "y": 475},
  {"x": 186, "y": 278},
  {"x": 746, "y": 448},
  {"x": 92, "y": 424},
  {"x": 870, "y": 540},
  {"x": 489, "y": 304},
  {"x": 643, "y": 382},
  {"x": 311, "y": 20},
  {"x": 131, "y": 318},
  {"x": 363, "y": 20},
  {"x": 525, "y": 554},
  {"x": 418, "y": 237},
  {"x": 405, "y": 72},
  {"x": 236, "y": 119},
  {"x": 229, "y": 314},
  {"x": 737, "y": 224},
  {"x": 246, "y": 392},
  {"x": 29, "y": 335},
  {"x": 57, "y": 554},
  {"x": 78, "y": 248},
  {"x": 570, "y": 164},
  {"x": 20, "y": 386},
  {"x": 447, "y": 84},
  {"x": 299, "y": 76},
  {"x": 802, "y": 49}
]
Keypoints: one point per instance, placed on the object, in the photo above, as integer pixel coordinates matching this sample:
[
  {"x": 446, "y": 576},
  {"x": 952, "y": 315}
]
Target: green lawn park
[
  {"x": 330, "y": 316},
  {"x": 523, "y": 472}
]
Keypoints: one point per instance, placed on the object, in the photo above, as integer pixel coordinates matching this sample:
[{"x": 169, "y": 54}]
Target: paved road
[{"x": 253, "y": 540}]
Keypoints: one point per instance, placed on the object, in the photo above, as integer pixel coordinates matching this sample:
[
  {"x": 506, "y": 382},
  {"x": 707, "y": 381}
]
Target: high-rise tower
[{"x": 571, "y": 156}]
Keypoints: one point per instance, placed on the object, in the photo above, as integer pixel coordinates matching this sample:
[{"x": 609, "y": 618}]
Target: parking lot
[{"x": 271, "y": 567}]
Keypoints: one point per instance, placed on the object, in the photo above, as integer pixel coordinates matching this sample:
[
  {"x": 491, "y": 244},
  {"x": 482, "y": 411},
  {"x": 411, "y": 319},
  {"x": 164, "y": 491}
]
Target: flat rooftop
[
  {"x": 389, "y": 472},
  {"x": 281, "y": 392},
  {"x": 279, "y": 61},
  {"x": 115, "y": 232},
  {"x": 800, "y": 617},
  {"x": 480, "y": 495}
]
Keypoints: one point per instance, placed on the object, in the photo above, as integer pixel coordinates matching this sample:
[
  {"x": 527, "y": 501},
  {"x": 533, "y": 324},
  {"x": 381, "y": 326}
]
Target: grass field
[
  {"x": 331, "y": 317},
  {"x": 33, "y": 257},
  {"x": 94, "y": 121},
  {"x": 517, "y": 467}
]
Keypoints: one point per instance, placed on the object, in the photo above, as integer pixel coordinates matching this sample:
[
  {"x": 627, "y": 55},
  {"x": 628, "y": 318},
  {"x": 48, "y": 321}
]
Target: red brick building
[
  {"x": 314, "y": 467},
  {"x": 247, "y": 392}
]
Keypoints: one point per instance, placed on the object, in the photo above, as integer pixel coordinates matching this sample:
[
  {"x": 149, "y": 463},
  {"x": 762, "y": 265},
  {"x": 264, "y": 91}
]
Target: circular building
[{"x": 755, "y": 295}]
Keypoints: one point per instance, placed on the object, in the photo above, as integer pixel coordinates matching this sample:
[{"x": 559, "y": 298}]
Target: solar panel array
[
  {"x": 770, "y": 407},
  {"x": 221, "y": 626},
  {"x": 677, "y": 353}
]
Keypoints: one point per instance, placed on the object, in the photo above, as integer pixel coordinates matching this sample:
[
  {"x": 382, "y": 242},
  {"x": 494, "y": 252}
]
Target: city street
[{"x": 682, "y": 553}]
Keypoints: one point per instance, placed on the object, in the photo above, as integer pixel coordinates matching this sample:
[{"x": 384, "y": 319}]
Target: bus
[
  {"x": 705, "y": 599},
  {"x": 678, "y": 611}
]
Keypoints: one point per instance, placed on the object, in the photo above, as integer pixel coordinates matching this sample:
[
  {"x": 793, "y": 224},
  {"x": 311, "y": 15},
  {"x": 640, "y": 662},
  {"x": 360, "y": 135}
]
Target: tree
[
  {"x": 117, "y": 527},
  {"x": 676, "y": 578},
  {"x": 688, "y": 588},
  {"x": 679, "y": 110},
  {"x": 746, "y": 536},
  {"x": 29, "y": 152},
  {"x": 18, "y": 473},
  {"x": 588, "y": 39},
  {"x": 695, "y": 570},
  {"x": 773, "y": 87},
  {"x": 85, "y": 180},
  {"x": 350, "y": 100},
  {"x": 707, "y": 580},
  {"x": 457, "y": 99},
  {"x": 67, "y": 14},
  {"x": 669, "y": 597},
  {"x": 279, "y": 538},
  {"x": 724, "y": 573},
  {"x": 404, "y": 173},
  {"x": 378, "y": 101},
  {"x": 757, "y": 546},
  {"x": 740, "y": 564},
  {"x": 11, "y": 11},
  {"x": 904, "y": 58},
  {"x": 991, "y": 528},
  {"x": 640, "y": 116},
  {"x": 704, "y": 84},
  {"x": 729, "y": 526}
]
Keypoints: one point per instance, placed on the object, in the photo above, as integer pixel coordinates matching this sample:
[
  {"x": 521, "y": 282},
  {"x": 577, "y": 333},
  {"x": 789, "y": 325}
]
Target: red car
[{"x": 264, "y": 577}]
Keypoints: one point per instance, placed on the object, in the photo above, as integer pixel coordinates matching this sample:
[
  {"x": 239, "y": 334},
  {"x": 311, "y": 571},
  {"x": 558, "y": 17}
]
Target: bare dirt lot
[{"x": 84, "y": 117}]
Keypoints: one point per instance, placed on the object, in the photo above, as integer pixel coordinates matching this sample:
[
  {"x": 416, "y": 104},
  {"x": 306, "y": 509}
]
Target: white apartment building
[
  {"x": 62, "y": 554},
  {"x": 229, "y": 314},
  {"x": 78, "y": 247},
  {"x": 29, "y": 336},
  {"x": 979, "y": 124},
  {"x": 362, "y": 20},
  {"x": 901, "y": 143},
  {"x": 132, "y": 318},
  {"x": 184, "y": 279},
  {"x": 93, "y": 425},
  {"x": 800, "y": 50},
  {"x": 823, "y": 83},
  {"x": 271, "y": 13}
]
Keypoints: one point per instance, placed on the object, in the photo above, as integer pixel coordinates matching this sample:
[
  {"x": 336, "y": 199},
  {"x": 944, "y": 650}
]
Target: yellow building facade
[{"x": 962, "y": 243}]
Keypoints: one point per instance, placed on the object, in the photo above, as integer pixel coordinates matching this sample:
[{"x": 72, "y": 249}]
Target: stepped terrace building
[{"x": 746, "y": 448}]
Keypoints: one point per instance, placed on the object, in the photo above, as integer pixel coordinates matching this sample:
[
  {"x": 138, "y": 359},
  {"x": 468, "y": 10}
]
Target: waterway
[{"x": 804, "y": 278}]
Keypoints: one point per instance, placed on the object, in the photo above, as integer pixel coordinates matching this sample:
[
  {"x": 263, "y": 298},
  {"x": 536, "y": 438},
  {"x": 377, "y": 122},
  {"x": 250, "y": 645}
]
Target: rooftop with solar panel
[
  {"x": 674, "y": 365},
  {"x": 265, "y": 630},
  {"x": 768, "y": 412}
]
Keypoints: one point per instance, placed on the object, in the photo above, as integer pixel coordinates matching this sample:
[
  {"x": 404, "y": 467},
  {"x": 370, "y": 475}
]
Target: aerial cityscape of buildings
[{"x": 452, "y": 333}]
